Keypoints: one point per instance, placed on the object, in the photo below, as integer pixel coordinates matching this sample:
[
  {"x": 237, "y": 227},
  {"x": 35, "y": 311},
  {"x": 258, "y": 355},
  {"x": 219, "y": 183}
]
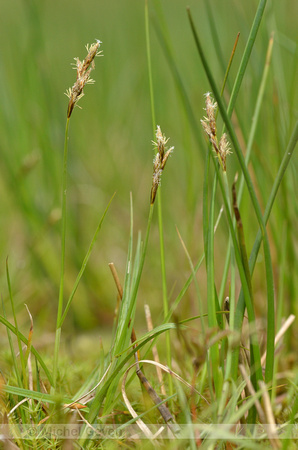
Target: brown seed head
[
  {"x": 222, "y": 149},
  {"x": 159, "y": 161},
  {"x": 83, "y": 69}
]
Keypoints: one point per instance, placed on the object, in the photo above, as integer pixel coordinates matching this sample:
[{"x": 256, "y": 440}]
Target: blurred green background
[{"x": 110, "y": 148}]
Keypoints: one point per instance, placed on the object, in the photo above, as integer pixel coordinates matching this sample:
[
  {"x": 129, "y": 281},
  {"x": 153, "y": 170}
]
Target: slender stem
[
  {"x": 159, "y": 203},
  {"x": 164, "y": 286},
  {"x": 211, "y": 303},
  {"x": 256, "y": 114},
  {"x": 149, "y": 66},
  {"x": 63, "y": 234},
  {"x": 246, "y": 55}
]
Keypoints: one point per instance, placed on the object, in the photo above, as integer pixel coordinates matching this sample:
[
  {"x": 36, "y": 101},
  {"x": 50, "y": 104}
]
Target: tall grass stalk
[
  {"x": 159, "y": 204},
  {"x": 63, "y": 237},
  {"x": 83, "y": 69},
  {"x": 212, "y": 306}
]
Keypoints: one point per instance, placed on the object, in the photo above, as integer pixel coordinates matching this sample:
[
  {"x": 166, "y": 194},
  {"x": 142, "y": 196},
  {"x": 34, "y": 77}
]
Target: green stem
[
  {"x": 149, "y": 66},
  {"x": 164, "y": 287},
  {"x": 246, "y": 55},
  {"x": 211, "y": 303},
  {"x": 63, "y": 234},
  {"x": 159, "y": 204}
]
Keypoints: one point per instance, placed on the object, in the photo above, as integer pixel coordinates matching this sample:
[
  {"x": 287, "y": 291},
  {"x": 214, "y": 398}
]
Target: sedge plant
[
  {"x": 83, "y": 69},
  {"x": 228, "y": 380}
]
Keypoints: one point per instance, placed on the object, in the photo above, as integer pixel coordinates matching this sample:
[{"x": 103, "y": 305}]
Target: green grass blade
[
  {"x": 214, "y": 35},
  {"x": 34, "y": 395},
  {"x": 122, "y": 317},
  {"x": 256, "y": 114},
  {"x": 278, "y": 179},
  {"x": 246, "y": 55},
  {"x": 63, "y": 237}
]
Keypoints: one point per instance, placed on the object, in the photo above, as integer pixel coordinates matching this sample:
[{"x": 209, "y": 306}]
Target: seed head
[
  {"x": 222, "y": 149},
  {"x": 83, "y": 69},
  {"x": 159, "y": 161}
]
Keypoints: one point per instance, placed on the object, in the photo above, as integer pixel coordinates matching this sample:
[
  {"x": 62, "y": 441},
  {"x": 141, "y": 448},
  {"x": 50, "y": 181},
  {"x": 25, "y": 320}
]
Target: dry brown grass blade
[
  {"x": 118, "y": 286},
  {"x": 280, "y": 334},
  {"x": 17, "y": 405},
  {"x": 9, "y": 445},
  {"x": 162, "y": 408},
  {"x": 89, "y": 425},
  {"x": 271, "y": 425},
  {"x": 30, "y": 373},
  {"x": 252, "y": 392}
]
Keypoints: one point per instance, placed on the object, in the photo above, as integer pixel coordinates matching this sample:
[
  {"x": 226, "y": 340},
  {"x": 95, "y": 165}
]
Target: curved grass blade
[{"x": 34, "y": 395}]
